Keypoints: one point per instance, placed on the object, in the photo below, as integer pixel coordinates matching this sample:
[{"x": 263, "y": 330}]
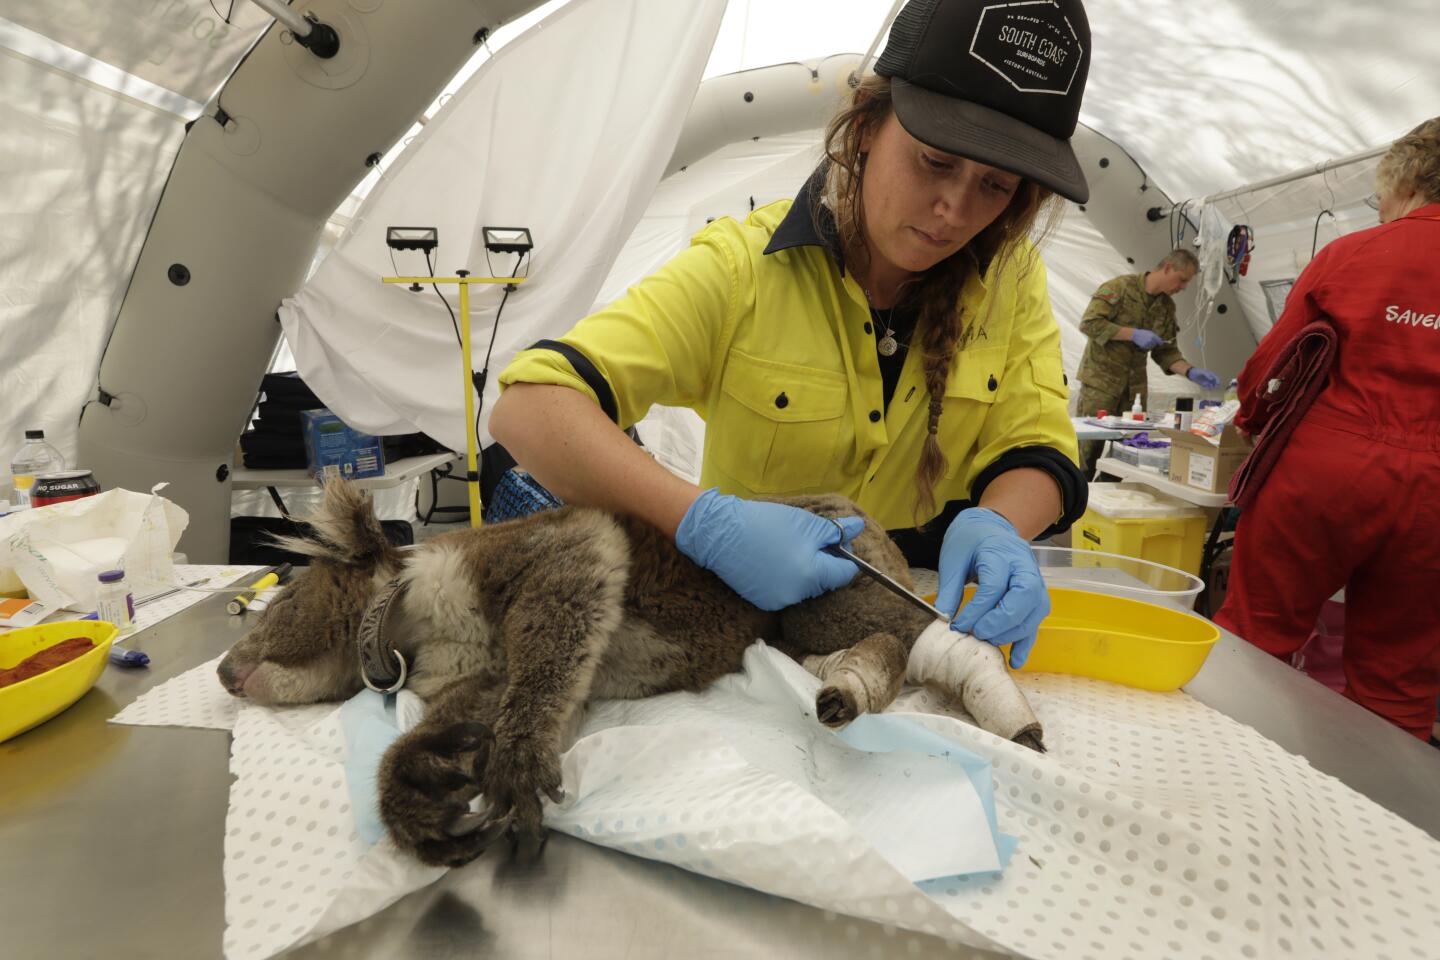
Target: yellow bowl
[
  {"x": 1124, "y": 641},
  {"x": 31, "y": 702}
]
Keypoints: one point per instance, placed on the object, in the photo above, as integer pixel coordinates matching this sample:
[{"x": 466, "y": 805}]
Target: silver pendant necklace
[{"x": 887, "y": 344}]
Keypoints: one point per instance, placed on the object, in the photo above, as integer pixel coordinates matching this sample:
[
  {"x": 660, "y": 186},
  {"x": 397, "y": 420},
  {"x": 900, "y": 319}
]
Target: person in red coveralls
[{"x": 1350, "y": 502}]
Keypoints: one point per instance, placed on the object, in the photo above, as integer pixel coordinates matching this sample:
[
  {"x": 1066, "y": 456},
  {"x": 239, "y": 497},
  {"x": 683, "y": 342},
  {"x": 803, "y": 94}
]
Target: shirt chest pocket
[
  {"x": 777, "y": 425},
  {"x": 969, "y": 396}
]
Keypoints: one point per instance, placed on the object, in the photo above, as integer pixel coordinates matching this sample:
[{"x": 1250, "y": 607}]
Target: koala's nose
[{"x": 233, "y": 676}]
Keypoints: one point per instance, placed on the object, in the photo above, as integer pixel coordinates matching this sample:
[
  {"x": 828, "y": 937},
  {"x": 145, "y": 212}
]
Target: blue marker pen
[
  {"x": 123, "y": 658},
  {"x": 128, "y": 658}
]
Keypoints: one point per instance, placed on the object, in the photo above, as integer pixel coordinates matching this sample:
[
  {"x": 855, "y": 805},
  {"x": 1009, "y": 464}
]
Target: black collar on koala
[{"x": 377, "y": 656}]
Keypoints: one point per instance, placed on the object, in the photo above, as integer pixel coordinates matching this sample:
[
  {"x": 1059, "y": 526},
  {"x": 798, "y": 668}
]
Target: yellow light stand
[{"x": 472, "y": 454}]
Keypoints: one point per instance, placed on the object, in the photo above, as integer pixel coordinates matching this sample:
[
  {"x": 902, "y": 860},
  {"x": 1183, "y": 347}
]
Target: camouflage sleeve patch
[{"x": 1106, "y": 294}]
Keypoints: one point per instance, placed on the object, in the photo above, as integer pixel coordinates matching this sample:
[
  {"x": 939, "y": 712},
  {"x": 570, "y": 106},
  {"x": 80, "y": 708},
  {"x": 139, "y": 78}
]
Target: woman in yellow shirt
[{"x": 887, "y": 335}]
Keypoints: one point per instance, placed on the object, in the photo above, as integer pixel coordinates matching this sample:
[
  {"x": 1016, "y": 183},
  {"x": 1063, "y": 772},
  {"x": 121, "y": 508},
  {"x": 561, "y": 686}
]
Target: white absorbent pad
[{"x": 1153, "y": 827}]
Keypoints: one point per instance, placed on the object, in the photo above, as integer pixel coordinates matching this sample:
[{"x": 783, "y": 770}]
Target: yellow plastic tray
[
  {"x": 31, "y": 702},
  {"x": 1121, "y": 640}
]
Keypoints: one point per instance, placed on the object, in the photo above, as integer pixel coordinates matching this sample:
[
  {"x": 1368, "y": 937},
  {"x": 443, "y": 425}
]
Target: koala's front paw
[
  {"x": 427, "y": 779},
  {"x": 520, "y": 770}
]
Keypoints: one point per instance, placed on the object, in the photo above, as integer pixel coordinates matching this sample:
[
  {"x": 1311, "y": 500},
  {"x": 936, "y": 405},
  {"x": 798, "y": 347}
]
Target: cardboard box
[
  {"x": 1196, "y": 462},
  {"x": 333, "y": 449}
]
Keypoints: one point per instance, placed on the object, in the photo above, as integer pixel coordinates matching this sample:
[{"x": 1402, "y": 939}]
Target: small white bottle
[
  {"x": 113, "y": 603},
  {"x": 1137, "y": 411}
]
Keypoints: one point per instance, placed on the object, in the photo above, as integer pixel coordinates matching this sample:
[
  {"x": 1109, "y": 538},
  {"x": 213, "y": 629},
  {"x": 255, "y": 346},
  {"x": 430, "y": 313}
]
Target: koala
[{"x": 508, "y": 629}]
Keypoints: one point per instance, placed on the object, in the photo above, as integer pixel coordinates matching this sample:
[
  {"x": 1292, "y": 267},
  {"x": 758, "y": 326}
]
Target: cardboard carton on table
[{"x": 1197, "y": 462}]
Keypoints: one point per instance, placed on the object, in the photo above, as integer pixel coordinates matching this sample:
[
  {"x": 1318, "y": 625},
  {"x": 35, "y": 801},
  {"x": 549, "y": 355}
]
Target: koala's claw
[
  {"x": 520, "y": 772},
  {"x": 834, "y": 707},
  {"x": 427, "y": 779},
  {"x": 485, "y": 828},
  {"x": 1032, "y": 737}
]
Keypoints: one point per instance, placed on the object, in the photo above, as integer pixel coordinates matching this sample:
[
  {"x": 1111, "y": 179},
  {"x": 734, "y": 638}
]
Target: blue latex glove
[
  {"x": 1011, "y": 598},
  {"x": 1145, "y": 339},
  {"x": 1204, "y": 378},
  {"x": 769, "y": 553}
]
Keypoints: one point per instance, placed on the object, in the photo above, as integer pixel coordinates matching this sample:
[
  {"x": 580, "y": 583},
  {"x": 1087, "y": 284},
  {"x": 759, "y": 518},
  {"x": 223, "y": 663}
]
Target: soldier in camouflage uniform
[{"x": 1128, "y": 317}]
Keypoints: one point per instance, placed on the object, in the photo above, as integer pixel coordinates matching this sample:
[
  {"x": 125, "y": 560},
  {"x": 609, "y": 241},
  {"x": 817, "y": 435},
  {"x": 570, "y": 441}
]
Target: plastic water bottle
[
  {"x": 113, "y": 602},
  {"x": 35, "y": 457},
  {"x": 1232, "y": 392}
]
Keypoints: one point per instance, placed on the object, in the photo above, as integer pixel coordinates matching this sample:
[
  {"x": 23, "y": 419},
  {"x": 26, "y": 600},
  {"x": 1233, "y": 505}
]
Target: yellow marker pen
[{"x": 242, "y": 601}]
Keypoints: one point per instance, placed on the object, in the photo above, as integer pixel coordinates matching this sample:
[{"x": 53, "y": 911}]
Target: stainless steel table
[{"x": 111, "y": 839}]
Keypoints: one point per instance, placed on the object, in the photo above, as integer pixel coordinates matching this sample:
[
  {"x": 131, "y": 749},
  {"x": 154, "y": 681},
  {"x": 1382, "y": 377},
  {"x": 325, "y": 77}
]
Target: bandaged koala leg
[
  {"x": 864, "y": 678},
  {"x": 973, "y": 672}
]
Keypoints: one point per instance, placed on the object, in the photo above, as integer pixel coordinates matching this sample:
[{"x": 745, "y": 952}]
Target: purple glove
[
  {"x": 1145, "y": 339},
  {"x": 1203, "y": 378}
]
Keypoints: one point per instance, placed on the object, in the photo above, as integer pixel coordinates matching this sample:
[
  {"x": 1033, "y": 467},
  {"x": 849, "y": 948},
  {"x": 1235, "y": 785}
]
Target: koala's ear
[{"x": 344, "y": 530}]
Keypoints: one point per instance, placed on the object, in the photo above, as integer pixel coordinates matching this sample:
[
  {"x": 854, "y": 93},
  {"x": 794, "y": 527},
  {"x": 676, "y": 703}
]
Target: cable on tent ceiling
[
  {"x": 1315, "y": 234},
  {"x": 228, "y": 15},
  {"x": 1179, "y": 220}
]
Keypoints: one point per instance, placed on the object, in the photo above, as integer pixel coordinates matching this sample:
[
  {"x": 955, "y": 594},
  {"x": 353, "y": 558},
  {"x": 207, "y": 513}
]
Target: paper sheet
[{"x": 765, "y": 715}]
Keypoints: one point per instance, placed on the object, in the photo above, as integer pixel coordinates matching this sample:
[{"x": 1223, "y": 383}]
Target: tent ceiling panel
[
  {"x": 758, "y": 33},
  {"x": 182, "y": 45},
  {"x": 1207, "y": 96}
]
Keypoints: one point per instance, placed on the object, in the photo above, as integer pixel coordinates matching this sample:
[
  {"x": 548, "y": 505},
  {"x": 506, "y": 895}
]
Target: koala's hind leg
[
  {"x": 429, "y": 776},
  {"x": 864, "y": 678}
]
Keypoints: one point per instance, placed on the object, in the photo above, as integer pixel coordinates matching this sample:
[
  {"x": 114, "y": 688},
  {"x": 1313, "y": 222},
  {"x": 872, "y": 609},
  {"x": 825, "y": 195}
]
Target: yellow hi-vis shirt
[{"x": 776, "y": 353}]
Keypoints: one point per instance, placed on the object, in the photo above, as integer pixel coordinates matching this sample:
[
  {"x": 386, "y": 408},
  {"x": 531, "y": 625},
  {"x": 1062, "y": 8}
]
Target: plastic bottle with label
[
  {"x": 113, "y": 602},
  {"x": 1137, "y": 410},
  {"x": 34, "y": 457},
  {"x": 1232, "y": 392}
]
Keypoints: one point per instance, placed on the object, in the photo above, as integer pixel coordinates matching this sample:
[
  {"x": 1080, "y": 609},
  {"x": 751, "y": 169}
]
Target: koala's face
[{"x": 303, "y": 649}]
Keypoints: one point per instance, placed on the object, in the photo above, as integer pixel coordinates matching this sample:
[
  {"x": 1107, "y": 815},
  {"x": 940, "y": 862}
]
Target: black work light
[
  {"x": 508, "y": 239},
  {"x": 412, "y": 238}
]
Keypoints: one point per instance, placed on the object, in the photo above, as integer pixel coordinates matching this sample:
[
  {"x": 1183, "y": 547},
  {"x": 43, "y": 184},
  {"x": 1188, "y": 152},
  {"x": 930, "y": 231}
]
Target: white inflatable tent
[{"x": 144, "y": 135}]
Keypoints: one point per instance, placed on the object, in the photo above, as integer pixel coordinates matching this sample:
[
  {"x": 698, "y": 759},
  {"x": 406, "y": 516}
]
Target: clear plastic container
[
  {"x": 34, "y": 457},
  {"x": 1151, "y": 458},
  {"x": 113, "y": 602},
  {"x": 1126, "y": 501},
  {"x": 1119, "y": 576}
]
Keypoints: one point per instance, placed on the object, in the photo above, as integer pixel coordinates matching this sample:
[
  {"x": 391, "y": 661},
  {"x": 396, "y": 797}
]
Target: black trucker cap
[{"x": 999, "y": 83}]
